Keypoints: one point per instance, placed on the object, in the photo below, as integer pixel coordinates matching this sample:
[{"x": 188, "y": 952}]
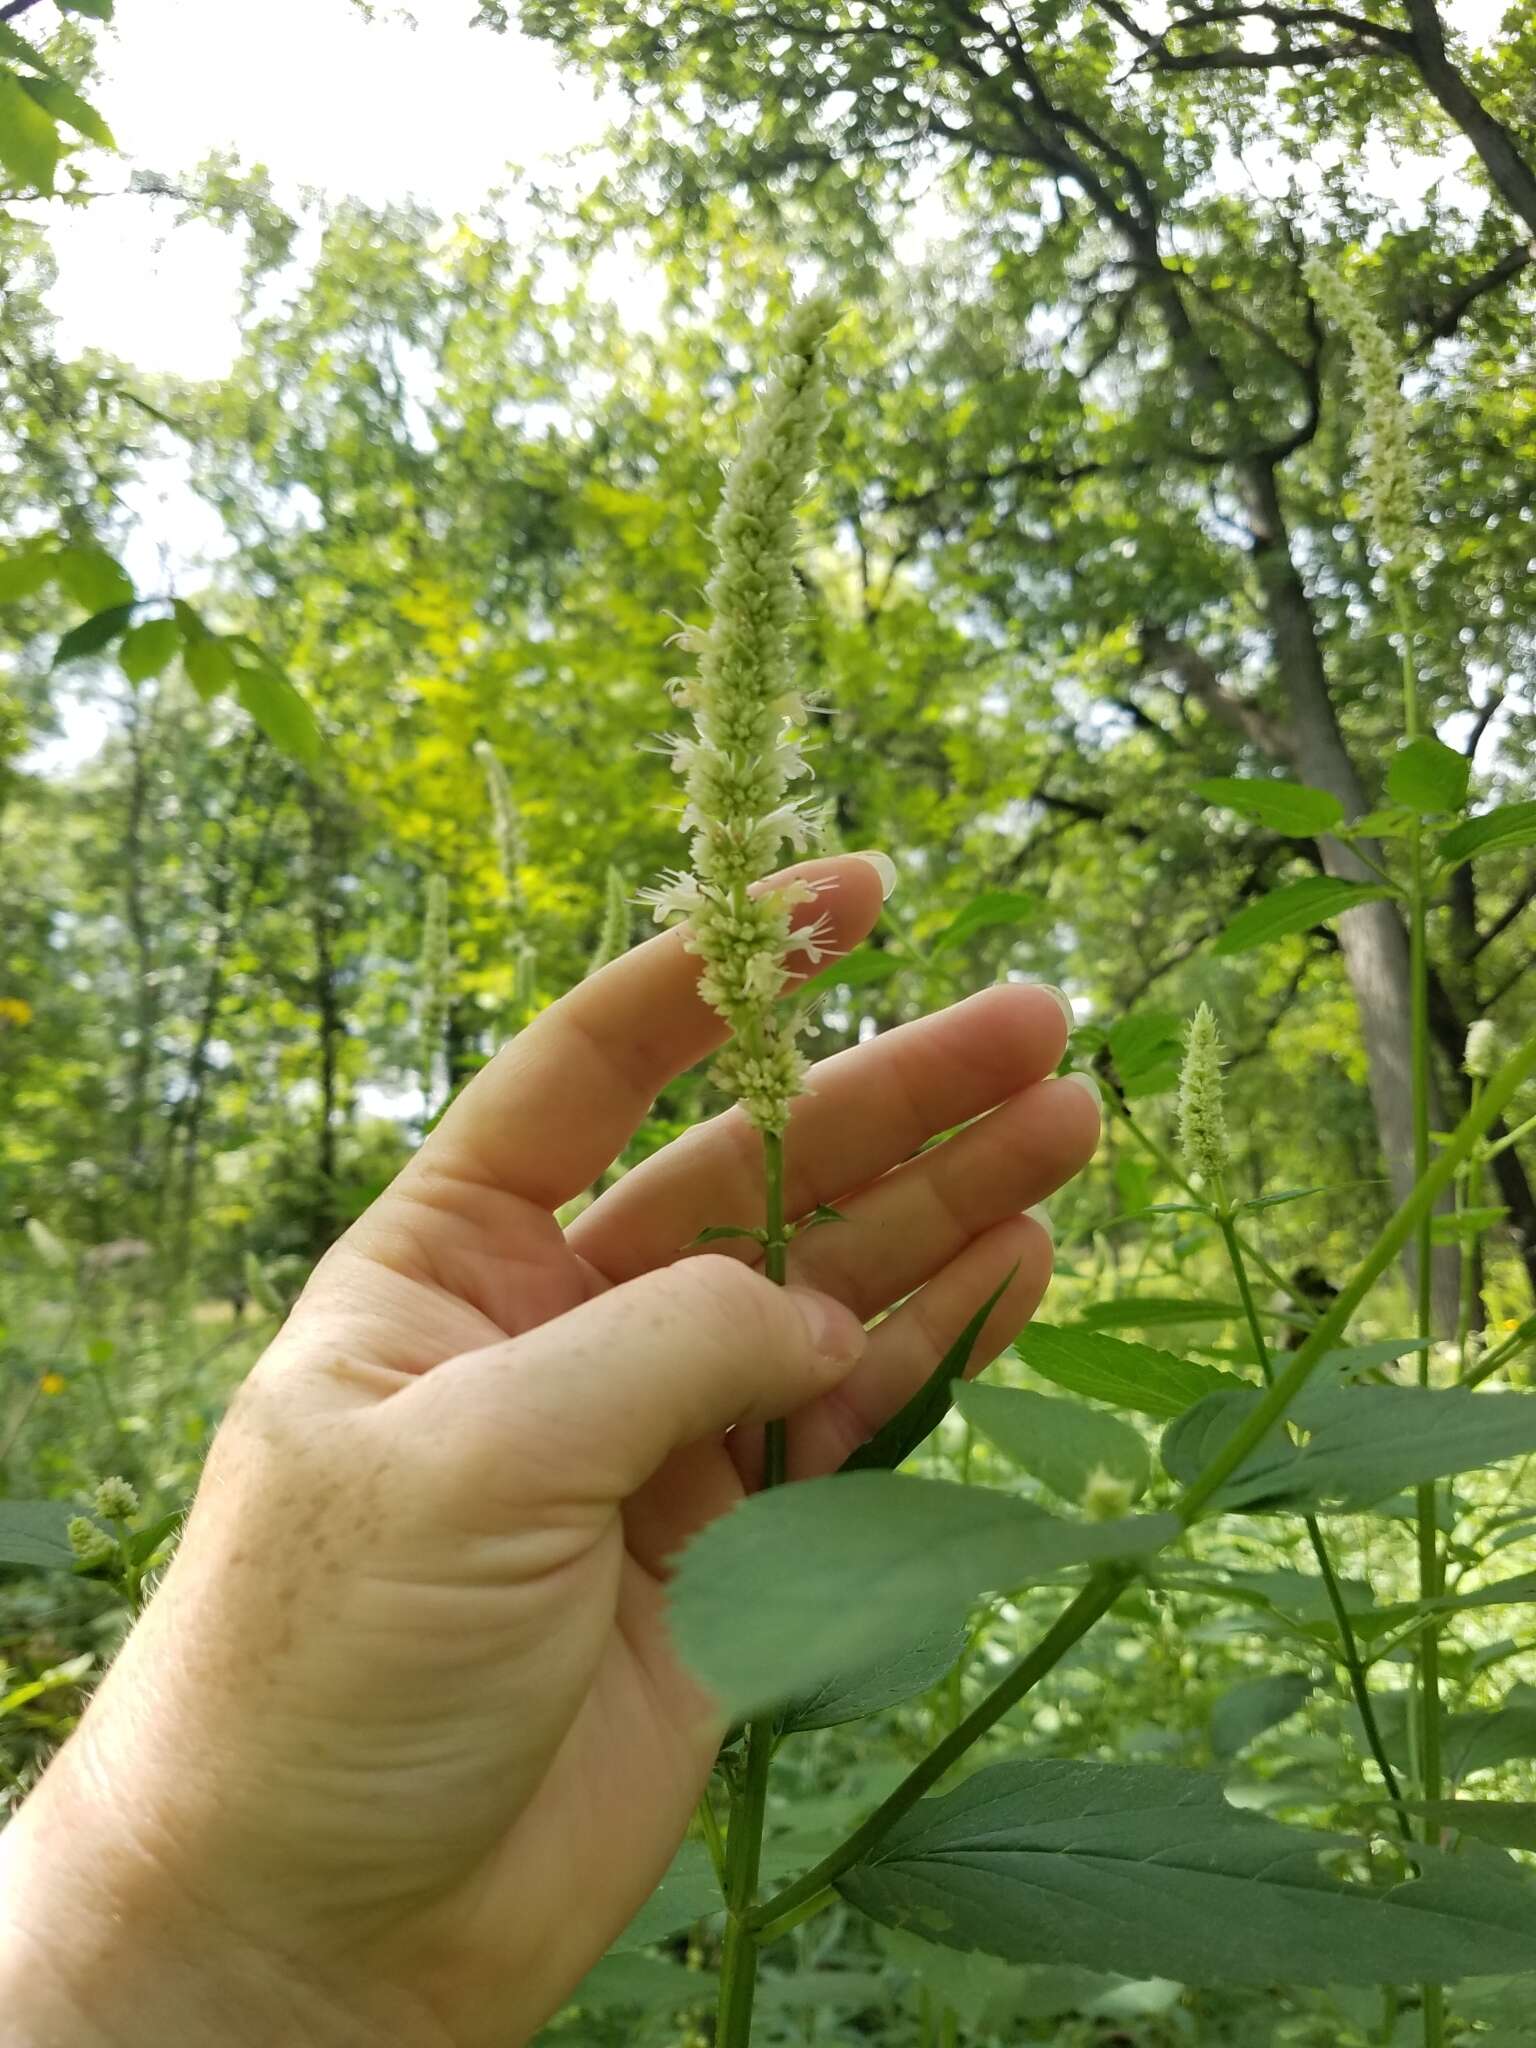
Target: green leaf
[
  {"x": 852, "y": 1696},
  {"x": 1060, "y": 1443},
  {"x": 918, "y": 1418},
  {"x": 94, "y": 579},
  {"x": 717, "y": 1231},
  {"x": 1150, "y": 1872},
  {"x": 26, "y": 569},
  {"x": 1191, "y": 1441},
  {"x": 19, "y": 51},
  {"x": 34, "y": 1533},
  {"x": 1428, "y": 776},
  {"x": 1356, "y": 1358},
  {"x": 1132, "y": 1376},
  {"x": 1509, "y": 1823},
  {"x": 993, "y": 907},
  {"x": 805, "y": 1581},
  {"x": 1294, "y": 908},
  {"x": 148, "y": 648},
  {"x": 687, "y": 1894},
  {"x": 280, "y": 711},
  {"x": 209, "y": 664},
  {"x": 1385, "y": 824},
  {"x": 864, "y": 967},
  {"x": 66, "y": 105},
  {"x": 92, "y": 635},
  {"x": 1251, "y": 1709},
  {"x": 143, "y": 1543},
  {"x": 98, "y": 10},
  {"x": 1147, "y": 1049},
  {"x": 29, "y": 142},
  {"x": 1148, "y": 1311},
  {"x": 1457, "y": 1224},
  {"x": 1509, "y": 825},
  {"x": 1369, "y": 1442},
  {"x": 1291, "y": 808}
]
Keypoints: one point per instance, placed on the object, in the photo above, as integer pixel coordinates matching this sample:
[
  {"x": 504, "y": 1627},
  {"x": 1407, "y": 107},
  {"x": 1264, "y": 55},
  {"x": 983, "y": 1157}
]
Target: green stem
[
  {"x": 1107, "y": 1583},
  {"x": 744, "y": 1842},
  {"x": 1354, "y": 1664},
  {"x": 1427, "y": 1496}
]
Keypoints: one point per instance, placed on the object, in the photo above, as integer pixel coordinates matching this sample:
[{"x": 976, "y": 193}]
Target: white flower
[
  {"x": 743, "y": 752},
  {"x": 1202, "y": 1114},
  {"x": 1392, "y": 471}
]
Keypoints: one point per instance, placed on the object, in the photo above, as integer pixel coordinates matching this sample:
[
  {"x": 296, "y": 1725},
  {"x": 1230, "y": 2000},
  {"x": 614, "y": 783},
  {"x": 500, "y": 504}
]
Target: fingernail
[
  {"x": 835, "y": 1331},
  {"x": 1060, "y": 997},
  {"x": 1041, "y": 1215},
  {"x": 1089, "y": 1086},
  {"x": 884, "y": 867}
]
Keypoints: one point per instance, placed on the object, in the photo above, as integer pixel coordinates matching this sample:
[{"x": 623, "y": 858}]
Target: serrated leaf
[
  {"x": 1150, "y": 1872},
  {"x": 984, "y": 912},
  {"x": 1293, "y": 809},
  {"x": 1428, "y": 776},
  {"x": 1294, "y": 908},
  {"x": 1191, "y": 1441},
  {"x": 1278, "y": 1200},
  {"x": 19, "y": 51},
  {"x": 1367, "y": 1443},
  {"x": 1385, "y": 824},
  {"x": 804, "y": 1581},
  {"x": 65, "y": 104},
  {"x": 91, "y": 635},
  {"x": 209, "y": 665},
  {"x": 35, "y": 1534},
  {"x": 717, "y": 1231},
  {"x": 29, "y": 141},
  {"x": 1060, "y": 1443},
  {"x": 852, "y": 1696},
  {"x": 1496, "y": 830},
  {"x": 916, "y": 1420},
  {"x": 1250, "y": 1709},
  {"x": 1147, "y": 1048},
  {"x": 94, "y": 579},
  {"x": 148, "y": 648},
  {"x": 1132, "y": 1376},
  {"x": 281, "y": 712}
]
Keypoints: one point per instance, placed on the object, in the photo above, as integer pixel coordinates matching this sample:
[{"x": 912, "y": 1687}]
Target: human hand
[{"x": 400, "y": 1744}]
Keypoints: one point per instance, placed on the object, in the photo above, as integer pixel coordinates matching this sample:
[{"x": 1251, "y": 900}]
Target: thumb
[{"x": 587, "y": 1407}]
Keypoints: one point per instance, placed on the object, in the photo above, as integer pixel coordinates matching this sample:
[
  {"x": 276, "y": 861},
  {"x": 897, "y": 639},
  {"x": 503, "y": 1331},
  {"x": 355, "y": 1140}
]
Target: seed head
[
  {"x": 90, "y": 1544},
  {"x": 1392, "y": 470},
  {"x": 1202, "y": 1114},
  {"x": 506, "y": 827},
  {"x": 116, "y": 1500},
  {"x": 738, "y": 762},
  {"x": 613, "y": 937},
  {"x": 1481, "y": 1055}
]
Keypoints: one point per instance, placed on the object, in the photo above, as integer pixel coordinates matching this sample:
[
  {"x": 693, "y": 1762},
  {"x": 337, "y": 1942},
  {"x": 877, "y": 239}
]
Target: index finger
[{"x": 558, "y": 1102}]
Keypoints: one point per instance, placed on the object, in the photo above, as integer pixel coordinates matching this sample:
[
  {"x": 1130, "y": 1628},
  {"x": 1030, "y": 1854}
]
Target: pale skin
[{"x": 400, "y": 1744}]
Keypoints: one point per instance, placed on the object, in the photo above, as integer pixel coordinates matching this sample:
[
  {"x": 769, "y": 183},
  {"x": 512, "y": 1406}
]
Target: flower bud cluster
[
  {"x": 1202, "y": 1112},
  {"x": 506, "y": 827},
  {"x": 1392, "y": 471},
  {"x": 743, "y": 754},
  {"x": 1480, "y": 1056}
]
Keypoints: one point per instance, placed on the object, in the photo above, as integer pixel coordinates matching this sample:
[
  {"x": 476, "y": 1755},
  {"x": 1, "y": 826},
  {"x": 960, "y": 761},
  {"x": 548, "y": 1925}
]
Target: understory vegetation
[{"x": 1161, "y": 602}]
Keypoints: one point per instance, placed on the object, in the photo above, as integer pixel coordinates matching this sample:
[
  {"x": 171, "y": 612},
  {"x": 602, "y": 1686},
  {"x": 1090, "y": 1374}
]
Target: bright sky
[{"x": 320, "y": 96}]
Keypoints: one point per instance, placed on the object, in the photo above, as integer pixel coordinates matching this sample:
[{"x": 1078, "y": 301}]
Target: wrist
[{"x": 105, "y": 1944}]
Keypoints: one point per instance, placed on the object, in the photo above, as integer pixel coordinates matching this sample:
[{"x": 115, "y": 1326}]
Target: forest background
[{"x": 315, "y": 480}]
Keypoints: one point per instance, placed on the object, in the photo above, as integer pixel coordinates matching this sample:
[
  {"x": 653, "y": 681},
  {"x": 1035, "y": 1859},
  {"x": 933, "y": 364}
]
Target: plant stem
[
  {"x": 749, "y": 1806},
  {"x": 1349, "y": 1646},
  {"x": 1107, "y": 1583},
  {"x": 1427, "y": 1496}
]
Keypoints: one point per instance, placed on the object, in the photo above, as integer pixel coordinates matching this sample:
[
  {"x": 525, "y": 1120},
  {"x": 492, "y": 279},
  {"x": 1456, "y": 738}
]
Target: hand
[{"x": 400, "y": 1745}]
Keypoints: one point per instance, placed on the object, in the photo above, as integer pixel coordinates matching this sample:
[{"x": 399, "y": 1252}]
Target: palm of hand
[{"x": 423, "y": 1587}]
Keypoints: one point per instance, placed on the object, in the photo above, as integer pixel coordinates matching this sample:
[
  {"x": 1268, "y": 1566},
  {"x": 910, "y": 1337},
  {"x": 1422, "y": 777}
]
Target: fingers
[
  {"x": 558, "y": 1102},
  {"x": 907, "y": 1347},
  {"x": 868, "y": 1109},
  {"x": 913, "y": 1221},
  {"x": 583, "y": 1410}
]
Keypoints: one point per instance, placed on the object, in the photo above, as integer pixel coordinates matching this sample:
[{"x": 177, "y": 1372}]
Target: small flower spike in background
[
  {"x": 739, "y": 762},
  {"x": 1391, "y": 467},
  {"x": 435, "y": 962}
]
